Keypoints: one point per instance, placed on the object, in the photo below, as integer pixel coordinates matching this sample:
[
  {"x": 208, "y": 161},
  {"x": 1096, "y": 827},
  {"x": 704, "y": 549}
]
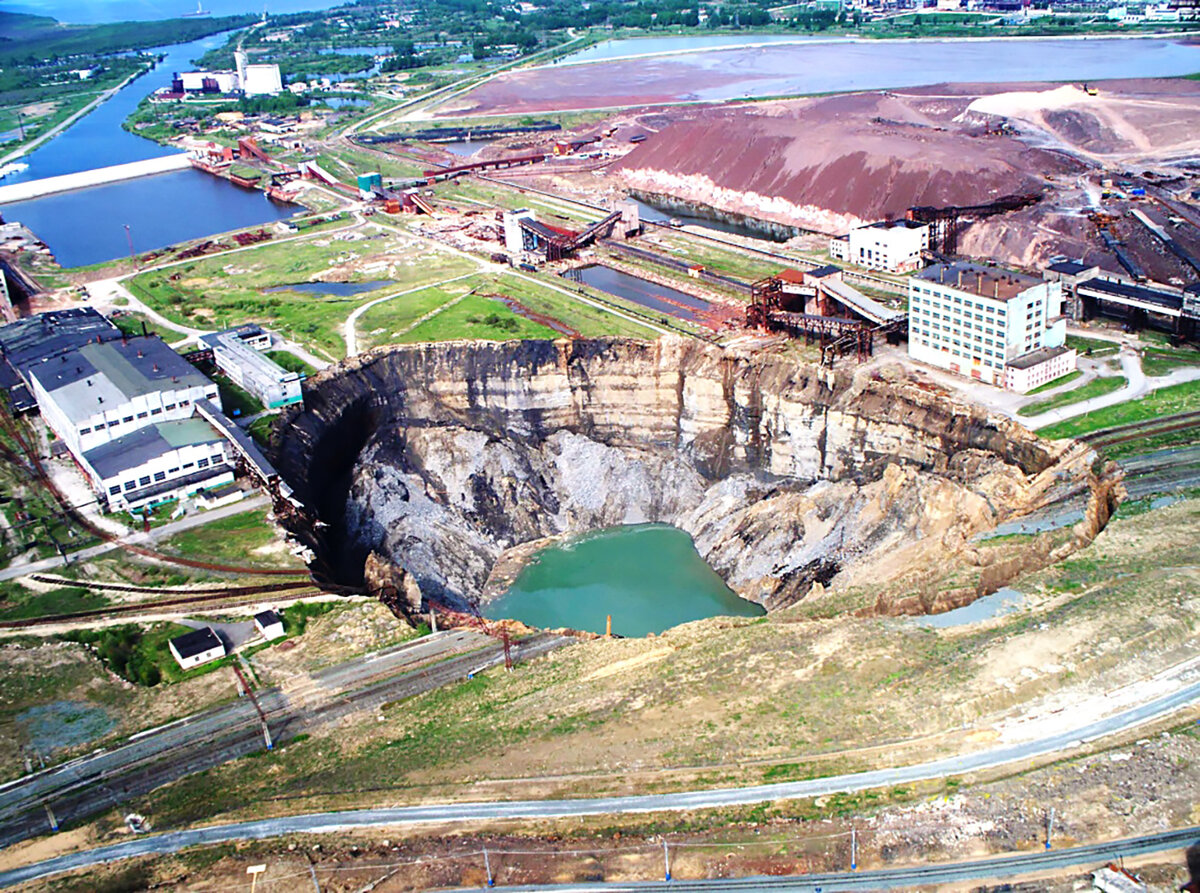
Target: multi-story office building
[
  {"x": 994, "y": 325},
  {"x": 893, "y": 245}
]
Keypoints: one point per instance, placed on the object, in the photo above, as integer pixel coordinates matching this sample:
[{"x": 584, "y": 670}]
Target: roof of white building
[
  {"x": 141, "y": 446},
  {"x": 98, "y": 377},
  {"x": 996, "y": 283}
]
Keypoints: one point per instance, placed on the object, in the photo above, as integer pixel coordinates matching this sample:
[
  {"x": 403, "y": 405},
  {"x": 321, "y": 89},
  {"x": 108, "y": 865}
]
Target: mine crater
[{"x": 423, "y": 465}]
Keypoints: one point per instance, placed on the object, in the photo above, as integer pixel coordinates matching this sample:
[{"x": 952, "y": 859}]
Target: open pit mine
[{"x": 423, "y": 465}]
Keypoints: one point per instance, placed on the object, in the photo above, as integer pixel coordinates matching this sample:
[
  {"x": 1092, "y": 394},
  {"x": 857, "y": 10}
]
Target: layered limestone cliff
[{"x": 428, "y": 461}]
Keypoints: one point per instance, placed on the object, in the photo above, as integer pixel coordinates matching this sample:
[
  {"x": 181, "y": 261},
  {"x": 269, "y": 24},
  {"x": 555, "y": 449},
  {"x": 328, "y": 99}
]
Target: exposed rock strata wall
[{"x": 438, "y": 457}]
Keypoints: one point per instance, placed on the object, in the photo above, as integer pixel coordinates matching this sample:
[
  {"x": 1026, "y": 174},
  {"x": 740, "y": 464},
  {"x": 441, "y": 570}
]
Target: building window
[
  {"x": 100, "y": 426},
  {"x": 142, "y": 415},
  {"x": 202, "y": 463},
  {"x": 114, "y": 491},
  {"x": 187, "y": 465},
  {"x": 83, "y": 431},
  {"x": 160, "y": 475},
  {"x": 127, "y": 420},
  {"x": 144, "y": 481},
  {"x": 129, "y": 485},
  {"x": 156, "y": 411},
  {"x": 170, "y": 406}
]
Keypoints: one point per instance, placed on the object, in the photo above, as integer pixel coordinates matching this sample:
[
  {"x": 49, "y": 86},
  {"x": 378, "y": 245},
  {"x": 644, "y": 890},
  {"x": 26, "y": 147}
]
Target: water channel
[
  {"x": 86, "y": 226},
  {"x": 649, "y": 577},
  {"x": 651, "y": 295}
]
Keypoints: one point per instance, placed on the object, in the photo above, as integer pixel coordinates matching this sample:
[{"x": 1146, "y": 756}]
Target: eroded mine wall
[{"x": 438, "y": 457}]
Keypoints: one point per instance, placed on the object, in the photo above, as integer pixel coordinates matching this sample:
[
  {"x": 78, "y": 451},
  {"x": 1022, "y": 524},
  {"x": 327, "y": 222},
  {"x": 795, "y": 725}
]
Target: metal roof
[
  {"x": 1069, "y": 268},
  {"x": 35, "y": 339},
  {"x": 145, "y": 444},
  {"x": 99, "y": 377},
  {"x": 196, "y": 642}
]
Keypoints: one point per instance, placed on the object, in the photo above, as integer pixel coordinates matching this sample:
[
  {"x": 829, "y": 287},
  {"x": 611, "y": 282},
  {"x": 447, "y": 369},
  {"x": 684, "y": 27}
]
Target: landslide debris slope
[{"x": 424, "y": 463}]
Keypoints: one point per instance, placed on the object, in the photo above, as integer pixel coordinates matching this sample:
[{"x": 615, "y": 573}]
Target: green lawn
[
  {"x": 237, "y": 538},
  {"x": 290, "y": 362},
  {"x": 1057, "y": 383},
  {"x": 391, "y": 321},
  {"x": 479, "y": 318},
  {"x": 1094, "y": 347},
  {"x": 18, "y": 603},
  {"x": 234, "y": 400},
  {"x": 1156, "y": 361},
  {"x": 1097, "y": 387},
  {"x": 226, "y": 291},
  {"x": 1162, "y": 402}
]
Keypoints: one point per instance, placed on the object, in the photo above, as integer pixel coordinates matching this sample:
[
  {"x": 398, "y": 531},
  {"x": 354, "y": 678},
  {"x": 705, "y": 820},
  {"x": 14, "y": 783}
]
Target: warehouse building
[
  {"x": 28, "y": 343},
  {"x": 996, "y": 326},
  {"x": 101, "y": 392},
  {"x": 892, "y": 245},
  {"x": 126, "y": 410},
  {"x": 235, "y": 354}
]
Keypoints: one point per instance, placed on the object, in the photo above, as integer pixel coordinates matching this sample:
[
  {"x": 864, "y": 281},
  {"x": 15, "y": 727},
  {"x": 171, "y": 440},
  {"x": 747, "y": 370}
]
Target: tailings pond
[
  {"x": 649, "y": 577},
  {"x": 651, "y": 295}
]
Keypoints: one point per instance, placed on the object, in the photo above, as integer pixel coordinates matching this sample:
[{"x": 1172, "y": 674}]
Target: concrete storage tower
[{"x": 239, "y": 62}]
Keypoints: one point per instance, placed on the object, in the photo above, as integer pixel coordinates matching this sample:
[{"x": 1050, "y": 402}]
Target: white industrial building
[
  {"x": 235, "y": 354},
  {"x": 101, "y": 392},
  {"x": 259, "y": 79},
  {"x": 994, "y": 325},
  {"x": 197, "y": 647},
  {"x": 894, "y": 246},
  {"x": 127, "y": 411}
]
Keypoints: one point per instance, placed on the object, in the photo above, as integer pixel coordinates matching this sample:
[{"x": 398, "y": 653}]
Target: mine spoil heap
[{"x": 424, "y": 463}]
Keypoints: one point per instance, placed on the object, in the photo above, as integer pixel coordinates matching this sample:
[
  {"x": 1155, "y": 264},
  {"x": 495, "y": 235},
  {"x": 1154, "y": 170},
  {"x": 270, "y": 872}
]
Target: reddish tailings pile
[{"x": 828, "y": 163}]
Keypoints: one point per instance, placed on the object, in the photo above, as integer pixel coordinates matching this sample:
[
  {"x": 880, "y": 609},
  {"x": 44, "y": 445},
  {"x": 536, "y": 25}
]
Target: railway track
[
  {"x": 208, "y": 602},
  {"x": 147, "y": 761},
  {"x": 1138, "y": 430}
]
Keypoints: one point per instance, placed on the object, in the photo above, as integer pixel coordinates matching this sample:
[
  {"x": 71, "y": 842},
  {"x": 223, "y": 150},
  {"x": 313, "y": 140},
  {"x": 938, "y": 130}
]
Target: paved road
[
  {"x": 196, "y": 519},
  {"x": 529, "y": 809},
  {"x": 894, "y": 878}
]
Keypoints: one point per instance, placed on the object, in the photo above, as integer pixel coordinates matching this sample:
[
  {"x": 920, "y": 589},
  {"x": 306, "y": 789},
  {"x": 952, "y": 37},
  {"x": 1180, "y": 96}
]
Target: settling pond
[
  {"x": 649, "y": 577},
  {"x": 651, "y": 295}
]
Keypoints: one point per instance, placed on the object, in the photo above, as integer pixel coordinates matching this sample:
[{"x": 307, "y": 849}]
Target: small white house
[
  {"x": 269, "y": 624},
  {"x": 197, "y": 647}
]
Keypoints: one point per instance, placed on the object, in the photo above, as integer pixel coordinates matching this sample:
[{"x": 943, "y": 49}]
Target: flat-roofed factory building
[
  {"x": 892, "y": 245},
  {"x": 235, "y": 354},
  {"x": 994, "y": 325}
]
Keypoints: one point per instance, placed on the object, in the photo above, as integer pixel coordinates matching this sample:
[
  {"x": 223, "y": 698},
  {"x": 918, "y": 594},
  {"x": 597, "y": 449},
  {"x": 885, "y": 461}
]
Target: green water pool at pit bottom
[{"x": 649, "y": 577}]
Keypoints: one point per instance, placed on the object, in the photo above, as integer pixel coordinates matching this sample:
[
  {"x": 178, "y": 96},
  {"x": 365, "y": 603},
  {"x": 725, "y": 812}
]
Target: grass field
[
  {"x": 1157, "y": 361},
  {"x": 1162, "y": 402},
  {"x": 244, "y": 538},
  {"x": 1057, "y": 383},
  {"x": 1093, "y": 347},
  {"x": 225, "y": 291},
  {"x": 290, "y": 362},
  {"x": 1097, "y": 387},
  {"x": 480, "y": 316}
]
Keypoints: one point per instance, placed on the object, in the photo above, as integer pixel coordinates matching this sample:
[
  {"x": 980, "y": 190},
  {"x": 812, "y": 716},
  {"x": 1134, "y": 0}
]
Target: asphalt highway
[{"x": 325, "y": 822}]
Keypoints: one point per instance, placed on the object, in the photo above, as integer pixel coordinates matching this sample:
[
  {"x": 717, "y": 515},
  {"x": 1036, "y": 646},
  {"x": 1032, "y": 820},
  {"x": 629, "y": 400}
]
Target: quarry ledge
[{"x": 422, "y": 465}]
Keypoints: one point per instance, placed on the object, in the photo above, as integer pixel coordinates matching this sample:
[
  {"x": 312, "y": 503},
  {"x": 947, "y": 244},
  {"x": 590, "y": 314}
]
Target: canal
[
  {"x": 87, "y": 226},
  {"x": 649, "y": 577},
  {"x": 651, "y": 295}
]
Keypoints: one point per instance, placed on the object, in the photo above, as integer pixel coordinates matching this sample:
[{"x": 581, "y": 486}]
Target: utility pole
[
  {"x": 1049, "y": 827},
  {"x": 50, "y": 815},
  {"x": 853, "y": 849},
  {"x": 666, "y": 862},
  {"x": 129, "y": 238},
  {"x": 487, "y": 867}
]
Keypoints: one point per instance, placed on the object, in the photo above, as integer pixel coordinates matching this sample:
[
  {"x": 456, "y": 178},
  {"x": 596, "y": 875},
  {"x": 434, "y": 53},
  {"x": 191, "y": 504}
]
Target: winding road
[{"x": 326, "y": 822}]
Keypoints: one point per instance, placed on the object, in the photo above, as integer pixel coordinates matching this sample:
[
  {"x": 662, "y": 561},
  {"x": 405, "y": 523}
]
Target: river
[
  {"x": 649, "y": 577},
  {"x": 87, "y": 226},
  {"x": 99, "y": 11}
]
